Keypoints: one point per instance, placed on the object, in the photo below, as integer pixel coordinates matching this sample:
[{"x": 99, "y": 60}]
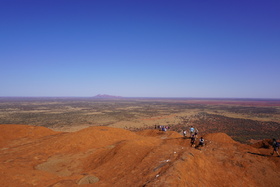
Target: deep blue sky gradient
[{"x": 140, "y": 48}]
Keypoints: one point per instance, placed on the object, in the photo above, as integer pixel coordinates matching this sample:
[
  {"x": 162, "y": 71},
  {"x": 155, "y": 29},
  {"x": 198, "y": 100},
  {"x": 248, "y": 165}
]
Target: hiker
[
  {"x": 195, "y": 134},
  {"x": 191, "y": 131},
  {"x": 184, "y": 133},
  {"x": 201, "y": 142},
  {"x": 193, "y": 141},
  {"x": 275, "y": 146}
]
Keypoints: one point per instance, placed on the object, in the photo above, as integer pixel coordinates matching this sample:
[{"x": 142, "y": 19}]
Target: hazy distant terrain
[{"x": 241, "y": 119}]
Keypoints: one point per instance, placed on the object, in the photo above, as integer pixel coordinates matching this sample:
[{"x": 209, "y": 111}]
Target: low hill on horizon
[
  {"x": 105, "y": 96},
  {"x": 107, "y": 156}
]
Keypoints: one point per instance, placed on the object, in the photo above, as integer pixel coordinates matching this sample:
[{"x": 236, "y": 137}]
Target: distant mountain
[{"x": 105, "y": 96}]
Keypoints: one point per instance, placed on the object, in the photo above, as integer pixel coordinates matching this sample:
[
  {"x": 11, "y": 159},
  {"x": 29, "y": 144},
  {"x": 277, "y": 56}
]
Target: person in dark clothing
[
  {"x": 193, "y": 141},
  {"x": 275, "y": 146},
  {"x": 201, "y": 142}
]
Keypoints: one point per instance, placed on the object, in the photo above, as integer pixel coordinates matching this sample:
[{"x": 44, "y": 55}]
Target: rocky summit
[{"x": 106, "y": 156}]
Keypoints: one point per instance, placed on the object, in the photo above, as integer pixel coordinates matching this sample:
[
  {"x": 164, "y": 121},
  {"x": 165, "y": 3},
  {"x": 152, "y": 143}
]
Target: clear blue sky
[{"x": 140, "y": 48}]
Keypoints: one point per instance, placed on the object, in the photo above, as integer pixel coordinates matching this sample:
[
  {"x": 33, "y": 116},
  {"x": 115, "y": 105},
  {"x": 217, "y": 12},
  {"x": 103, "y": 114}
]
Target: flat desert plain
[{"x": 243, "y": 119}]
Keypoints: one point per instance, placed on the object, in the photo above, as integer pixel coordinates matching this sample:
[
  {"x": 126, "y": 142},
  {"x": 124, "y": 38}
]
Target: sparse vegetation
[{"x": 241, "y": 120}]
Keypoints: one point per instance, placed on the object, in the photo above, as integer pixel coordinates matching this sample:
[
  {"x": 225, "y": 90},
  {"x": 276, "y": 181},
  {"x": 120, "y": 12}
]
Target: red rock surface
[{"x": 103, "y": 156}]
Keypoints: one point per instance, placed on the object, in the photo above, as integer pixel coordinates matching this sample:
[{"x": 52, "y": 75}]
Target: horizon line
[{"x": 142, "y": 97}]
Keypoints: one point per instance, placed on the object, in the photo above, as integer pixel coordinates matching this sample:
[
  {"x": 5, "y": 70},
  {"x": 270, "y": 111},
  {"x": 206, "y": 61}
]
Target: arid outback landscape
[{"x": 113, "y": 142}]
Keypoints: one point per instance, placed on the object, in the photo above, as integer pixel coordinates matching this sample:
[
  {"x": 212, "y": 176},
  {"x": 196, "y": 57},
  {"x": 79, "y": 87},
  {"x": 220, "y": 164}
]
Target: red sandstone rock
[{"x": 103, "y": 156}]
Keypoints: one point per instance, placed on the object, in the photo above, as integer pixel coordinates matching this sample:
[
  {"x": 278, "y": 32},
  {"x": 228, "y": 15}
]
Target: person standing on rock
[
  {"x": 275, "y": 146},
  {"x": 193, "y": 140},
  {"x": 195, "y": 133},
  {"x": 191, "y": 131},
  {"x": 184, "y": 133},
  {"x": 201, "y": 143}
]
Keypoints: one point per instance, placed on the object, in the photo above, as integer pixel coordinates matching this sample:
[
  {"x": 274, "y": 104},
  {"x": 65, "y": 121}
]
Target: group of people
[
  {"x": 193, "y": 132},
  {"x": 193, "y": 135},
  {"x": 162, "y": 127}
]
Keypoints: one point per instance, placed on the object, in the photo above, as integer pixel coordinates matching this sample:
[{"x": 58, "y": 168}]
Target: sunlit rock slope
[{"x": 103, "y": 156}]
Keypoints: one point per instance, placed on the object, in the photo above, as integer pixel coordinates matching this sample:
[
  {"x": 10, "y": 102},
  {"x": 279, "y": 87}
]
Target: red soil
[{"x": 103, "y": 156}]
